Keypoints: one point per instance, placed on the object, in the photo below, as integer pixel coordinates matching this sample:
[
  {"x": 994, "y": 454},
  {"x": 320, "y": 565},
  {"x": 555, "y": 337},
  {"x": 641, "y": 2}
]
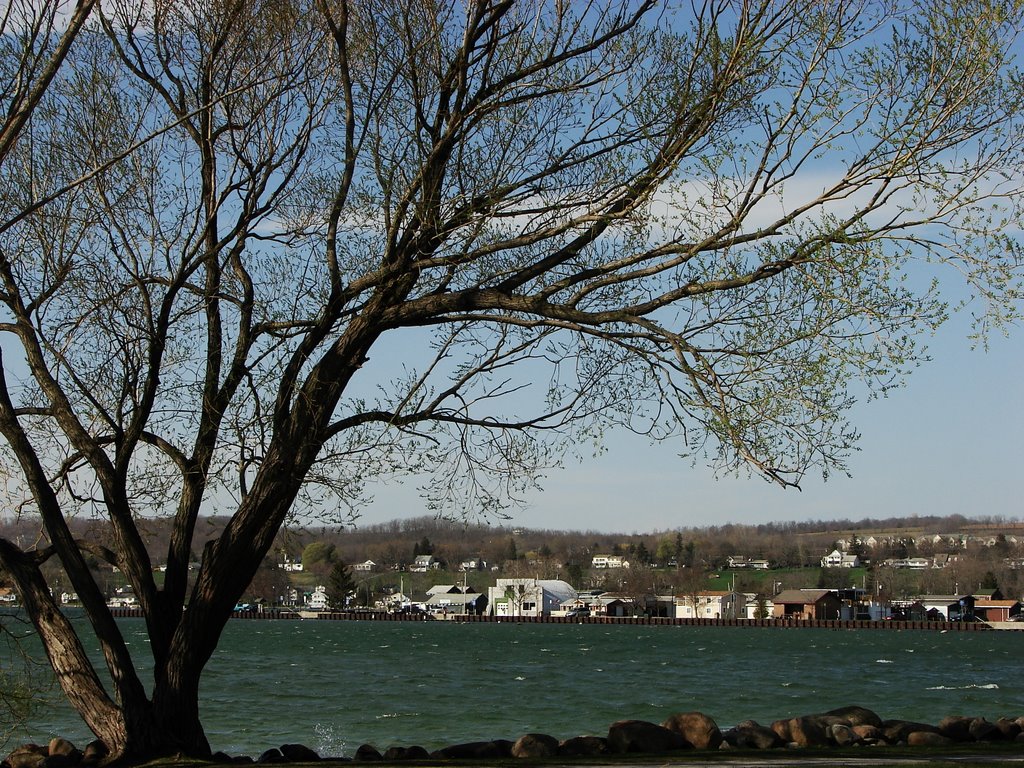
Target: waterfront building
[
  {"x": 528, "y": 597},
  {"x": 710, "y": 605},
  {"x": 818, "y": 604}
]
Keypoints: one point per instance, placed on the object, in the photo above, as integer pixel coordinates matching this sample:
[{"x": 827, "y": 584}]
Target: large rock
[
  {"x": 27, "y": 756},
  {"x": 927, "y": 739},
  {"x": 533, "y": 745},
  {"x": 809, "y": 731},
  {"x": 94, "y": 752},
  {"x": 842, "y": 735},
  {"x": 781, "y": 729},
  {"x": 854, "y": 716},
  {"x": 272, "y": 755},
  {"x": 584, "y": 746},
  {"x": 895, "y": 731},
  {"x": 367, "y": 753},
  {"x": 62, "y": 754},
  {"x": 697, "y": 728},
  {"x": 64, "y": 748},
  {"x": 299, "y": 753},
  {"x": 642, "y": 736},
  {"x": 1009, "y": 728},
  {"x": 959, "y": 728},
  {"x": 476, "y": 750},
  {"x": 752, "y": 735},
  {"x": 406, "y": 753},
  {"x": 982, "y": 730},
  {"x": 868, "y": 734},
  {"x": 956, "y": 727}
]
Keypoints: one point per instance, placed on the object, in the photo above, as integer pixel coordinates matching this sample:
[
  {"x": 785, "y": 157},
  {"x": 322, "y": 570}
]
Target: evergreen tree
[{"x": 340, "y": 584}]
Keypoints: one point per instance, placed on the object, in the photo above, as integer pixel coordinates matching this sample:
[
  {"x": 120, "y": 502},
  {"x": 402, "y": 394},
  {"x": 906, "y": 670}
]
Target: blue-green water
[{"x": 336, "y": 685}]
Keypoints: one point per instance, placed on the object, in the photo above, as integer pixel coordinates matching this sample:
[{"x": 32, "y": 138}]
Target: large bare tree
[{"x": 256, "y": 255}]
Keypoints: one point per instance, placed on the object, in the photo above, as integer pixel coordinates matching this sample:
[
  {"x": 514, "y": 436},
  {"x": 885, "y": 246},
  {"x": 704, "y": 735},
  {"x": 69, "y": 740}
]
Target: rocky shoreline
[{"x": 844, "y": 727}]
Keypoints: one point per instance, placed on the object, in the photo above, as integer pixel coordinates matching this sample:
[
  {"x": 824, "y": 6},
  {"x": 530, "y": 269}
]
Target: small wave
[
  {"x": 329, "y": 741},
  {"x": 520, "y": 677},
  {"x": 983, "y": 686},
  {"x": 786, "y": 685},
  {"x": 383, "y": 646},
  {"x": 883, "y": 661}
]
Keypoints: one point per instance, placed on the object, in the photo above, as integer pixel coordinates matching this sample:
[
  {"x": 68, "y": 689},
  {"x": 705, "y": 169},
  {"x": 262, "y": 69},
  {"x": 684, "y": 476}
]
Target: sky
[{"x": 950, "y": 442}]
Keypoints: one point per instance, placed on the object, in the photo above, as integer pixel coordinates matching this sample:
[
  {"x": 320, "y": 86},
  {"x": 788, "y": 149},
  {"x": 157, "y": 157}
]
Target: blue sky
[{"x": 950, "y": 442}]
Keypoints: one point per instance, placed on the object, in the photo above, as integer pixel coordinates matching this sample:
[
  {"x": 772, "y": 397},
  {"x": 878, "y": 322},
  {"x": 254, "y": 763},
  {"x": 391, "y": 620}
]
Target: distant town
[{"x": 933, "y": 569}]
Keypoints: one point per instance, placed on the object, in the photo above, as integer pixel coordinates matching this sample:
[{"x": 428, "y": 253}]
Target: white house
[
  {"x": 424, "y": 563},
  {"x": 365, "y": 566},
  {"x": 742, "y": 561},
  {"x": 608, "y": 561},
  {"x": 318, "y": 600},
  {"x": 836, "y": 559},
  {"x": 528, "y": 597},
  {"x": 711, "y": 605},
  {"x": 291, "y": 565},
  {"x": 474, "y": 563}
]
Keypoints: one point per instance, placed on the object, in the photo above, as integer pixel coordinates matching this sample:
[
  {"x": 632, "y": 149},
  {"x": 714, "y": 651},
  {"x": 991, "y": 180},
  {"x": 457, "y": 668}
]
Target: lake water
[{"x": 334, "y": 685}]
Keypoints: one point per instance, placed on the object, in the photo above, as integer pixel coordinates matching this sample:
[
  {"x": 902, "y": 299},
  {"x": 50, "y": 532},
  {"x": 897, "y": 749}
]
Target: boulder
[
  {"x": 809, "y": 731},
  {"x": 956, "y": 727},
  {"x": 895, "y": 731},
  {"x": 1008, "y": 727},
  {"x": 584, "y": 746},
  {"x": 367, "y": 753},
  {"x": 781, "y": 729},
  {"x": 927, "y": 739},
  {"x": 94, "y": 752},
  {"x": 854, "y": 716},
  {"x": 476, "y": 750},
  {"x": 867, "y": 734},
  {"x": 299, "y": 753},
  {"x": 842, "y": 735},
  {"x": 751, "y": 735},
  {"x": 535, "y": 745},
  {"x": 642, "y": 736},
  {"x": 982, "y": 730},
  {"x": 27, "y": 756},
  {"x": 697, "y": 728},
  {"x": 272, "y": 755},
  {"x": 406, "y": 753},
  {"x": 63, "y": 748}
]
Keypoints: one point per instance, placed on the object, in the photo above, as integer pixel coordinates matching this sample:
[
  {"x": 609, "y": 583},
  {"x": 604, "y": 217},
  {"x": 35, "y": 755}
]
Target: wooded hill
[{"x": 685, "y": 558}]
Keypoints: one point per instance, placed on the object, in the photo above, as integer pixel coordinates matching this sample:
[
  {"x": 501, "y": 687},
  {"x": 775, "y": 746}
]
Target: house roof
[
  {"x": 801, "y": 596},
  {"x": 453, "y": 599},
  {"x": 706, "y": 593}
]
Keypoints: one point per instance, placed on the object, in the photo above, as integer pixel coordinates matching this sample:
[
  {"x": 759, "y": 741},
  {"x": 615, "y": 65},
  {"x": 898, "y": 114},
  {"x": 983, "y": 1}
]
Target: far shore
[{"x": 833, "y": 624}]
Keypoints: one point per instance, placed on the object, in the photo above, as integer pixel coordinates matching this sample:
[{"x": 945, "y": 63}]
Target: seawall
[{"x": 835, "y": 624}]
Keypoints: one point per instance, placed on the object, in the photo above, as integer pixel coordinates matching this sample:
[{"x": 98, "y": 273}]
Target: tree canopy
[{"x": 257, "y": 255}]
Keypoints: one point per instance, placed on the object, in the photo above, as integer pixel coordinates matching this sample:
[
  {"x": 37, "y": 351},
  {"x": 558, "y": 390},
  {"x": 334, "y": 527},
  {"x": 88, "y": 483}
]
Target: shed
[{"x": 806, "y": 604}]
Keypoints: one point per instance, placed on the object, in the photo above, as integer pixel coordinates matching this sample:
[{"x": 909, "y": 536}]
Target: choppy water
[{"x": 336, "y": 685}]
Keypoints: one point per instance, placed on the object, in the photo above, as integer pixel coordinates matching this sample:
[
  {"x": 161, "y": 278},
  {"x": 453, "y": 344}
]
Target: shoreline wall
[{"x": 836, "y": 624}]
